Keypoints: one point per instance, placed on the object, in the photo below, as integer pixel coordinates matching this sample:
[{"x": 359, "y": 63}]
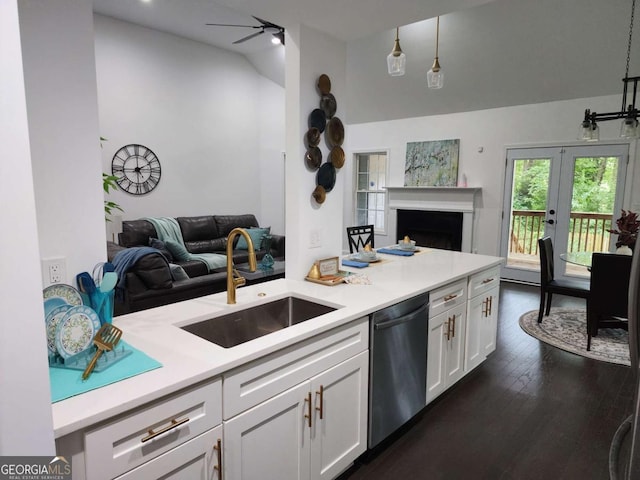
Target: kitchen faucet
[{"x": 234, "y": 279}]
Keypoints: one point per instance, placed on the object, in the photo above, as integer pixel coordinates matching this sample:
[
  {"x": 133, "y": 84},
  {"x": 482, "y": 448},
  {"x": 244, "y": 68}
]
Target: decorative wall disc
[
  {"x": 326, "y": 176},
  {"x": 318, "y": 119},
  {"x": 336, "y": 156},
  {"x": 313, "y": 158},
  {"x": 312, "y": 137},
  {"x": 324, "y": 84},
  {"x": 328, "y": 105},
  {"x": 319, "y": 194},
  {"x": 335, "y": 132}
]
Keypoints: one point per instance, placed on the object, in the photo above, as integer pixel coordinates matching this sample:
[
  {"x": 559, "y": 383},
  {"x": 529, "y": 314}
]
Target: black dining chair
[
  {"x": 549, "y": 285},
  {"x": 359, "y": 237},
  {"x": 608, "y": 302}
]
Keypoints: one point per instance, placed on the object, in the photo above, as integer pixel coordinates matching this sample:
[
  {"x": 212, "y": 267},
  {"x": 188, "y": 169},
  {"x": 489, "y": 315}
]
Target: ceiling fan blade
[
  {"x": 267, "y": 24},
  {"x": 249, "y": 37},
  {"x": 228, "y": 25}
]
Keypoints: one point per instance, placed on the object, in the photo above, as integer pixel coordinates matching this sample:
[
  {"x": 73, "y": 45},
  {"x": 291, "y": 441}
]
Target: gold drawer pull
[
  {"x": 308, "y": 417},
  {"x": 488, "y": 280},
  {"x": 174, "y": 424},
  {"x": 450, "y": 297},
  {"x": 218, "y": 448},
  {"x": 321, "y": 407}
]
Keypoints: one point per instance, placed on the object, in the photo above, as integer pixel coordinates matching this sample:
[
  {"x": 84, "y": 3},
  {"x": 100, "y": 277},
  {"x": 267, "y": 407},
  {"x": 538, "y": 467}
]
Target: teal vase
[{"x": 267, "y": 261}]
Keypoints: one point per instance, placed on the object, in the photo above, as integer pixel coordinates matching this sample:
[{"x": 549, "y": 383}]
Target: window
[{"x": 371, "y": 196}]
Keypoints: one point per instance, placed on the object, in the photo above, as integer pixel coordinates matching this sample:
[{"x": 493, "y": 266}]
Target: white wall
[
  {"x": 211, "y": 119},
  {"x": 309, "y": 54},
  {"x": 493, "y": 130},
  {"x": 60, "y": 84}
]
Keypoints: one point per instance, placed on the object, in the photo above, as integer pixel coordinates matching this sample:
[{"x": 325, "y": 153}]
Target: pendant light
[
  {"x": 629, "y": 113},
  {"x": 435, "y": 76},
  {"x": 396, "y": 60}
]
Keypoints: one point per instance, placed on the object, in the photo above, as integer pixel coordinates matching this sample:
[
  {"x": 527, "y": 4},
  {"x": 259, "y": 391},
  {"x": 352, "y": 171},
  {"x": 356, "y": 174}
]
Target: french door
[{"x": 568, "y": 193}]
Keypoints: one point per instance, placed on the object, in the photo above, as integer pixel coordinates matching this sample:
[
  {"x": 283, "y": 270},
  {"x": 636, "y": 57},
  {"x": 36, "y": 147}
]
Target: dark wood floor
[{"x": 530, "y": 411}]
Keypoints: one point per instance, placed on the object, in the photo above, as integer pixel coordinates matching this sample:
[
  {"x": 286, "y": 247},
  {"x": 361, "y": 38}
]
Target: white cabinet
[
  {"x": 445, "y": 354},
  {"x": 313, "y": 430},
  {"x": 196, "y": 459},
  {"x": 482, "y": 317}
]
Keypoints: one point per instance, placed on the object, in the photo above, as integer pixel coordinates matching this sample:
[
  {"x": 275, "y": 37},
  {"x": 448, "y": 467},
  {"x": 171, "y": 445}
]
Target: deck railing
[{"x": 587, "y": 231}]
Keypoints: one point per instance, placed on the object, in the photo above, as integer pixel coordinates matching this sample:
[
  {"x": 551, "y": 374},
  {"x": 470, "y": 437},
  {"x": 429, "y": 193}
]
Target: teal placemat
[{"x": 67, "y": 383}]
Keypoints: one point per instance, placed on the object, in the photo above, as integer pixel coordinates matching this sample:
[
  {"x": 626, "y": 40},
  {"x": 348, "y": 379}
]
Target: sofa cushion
[
  {"x": 136, "y": 233},
  {"x": 154, "y": 272},
  {"x": 159, "y": 245},
  {"x": 178, "y": 251},
  {"x": 256, "y": 235},
  {"x": 177, "y": 272},
  {"x": 226, "y": 223},
  {"x": 194, "y": 268}
]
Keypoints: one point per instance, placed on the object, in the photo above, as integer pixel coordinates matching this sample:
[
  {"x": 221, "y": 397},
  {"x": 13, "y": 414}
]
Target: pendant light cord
[
  {"x": 438, "y": 35},
  {"x": 633, "y": 8}
]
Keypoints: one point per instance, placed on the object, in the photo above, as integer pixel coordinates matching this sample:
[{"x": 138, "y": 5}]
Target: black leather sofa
[{"x": 149, "y": 282}]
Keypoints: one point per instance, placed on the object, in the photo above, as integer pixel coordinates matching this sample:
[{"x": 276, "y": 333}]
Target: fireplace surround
[{"x": 449, "y": 219}]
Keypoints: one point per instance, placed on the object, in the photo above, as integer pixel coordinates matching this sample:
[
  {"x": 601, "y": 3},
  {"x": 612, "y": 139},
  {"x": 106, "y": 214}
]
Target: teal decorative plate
[
  {"x": 76, "y": 330},
  {"x": 69, "y": 294},
  {"x": 51, "y": 322}
]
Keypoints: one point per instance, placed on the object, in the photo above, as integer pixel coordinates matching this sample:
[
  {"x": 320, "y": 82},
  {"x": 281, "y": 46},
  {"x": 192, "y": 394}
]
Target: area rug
[{"x": 567, "y": 329}]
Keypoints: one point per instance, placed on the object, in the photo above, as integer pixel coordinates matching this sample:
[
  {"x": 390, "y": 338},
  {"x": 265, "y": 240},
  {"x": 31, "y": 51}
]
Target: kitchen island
[{"x": 192, "y": 365}]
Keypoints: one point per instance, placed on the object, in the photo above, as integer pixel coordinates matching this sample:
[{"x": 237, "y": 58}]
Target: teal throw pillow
[
  {"x": 178, "y": 251},
  {"x": 256, "y": 238}
]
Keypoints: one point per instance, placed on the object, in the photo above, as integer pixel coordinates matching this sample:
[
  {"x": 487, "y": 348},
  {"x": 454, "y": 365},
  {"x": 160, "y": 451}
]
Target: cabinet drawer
[
  {"x": 262, "y": 379},
  {"x": 123, "y": 443},
  {"x": 482, "y": 282},
  {"x": 449, "y": 296}
]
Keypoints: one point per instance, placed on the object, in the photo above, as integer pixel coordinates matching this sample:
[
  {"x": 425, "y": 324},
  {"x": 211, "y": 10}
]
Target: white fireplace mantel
[{"x": 439, "y": 199}]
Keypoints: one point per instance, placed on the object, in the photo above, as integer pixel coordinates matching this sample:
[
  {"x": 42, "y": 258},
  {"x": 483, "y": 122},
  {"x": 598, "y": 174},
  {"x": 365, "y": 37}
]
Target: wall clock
[{"x": 136, "y": 168}]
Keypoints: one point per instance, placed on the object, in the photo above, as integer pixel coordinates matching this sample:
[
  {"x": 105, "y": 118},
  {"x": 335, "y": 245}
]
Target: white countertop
[{"x": 188, "y": 359}]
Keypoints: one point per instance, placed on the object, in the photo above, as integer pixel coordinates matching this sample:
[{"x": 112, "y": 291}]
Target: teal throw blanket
[{"x": 168, "y": 229}]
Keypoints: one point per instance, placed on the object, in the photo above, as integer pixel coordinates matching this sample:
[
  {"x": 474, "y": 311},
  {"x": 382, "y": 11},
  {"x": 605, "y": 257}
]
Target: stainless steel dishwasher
[{"x": 398, "y": 366}]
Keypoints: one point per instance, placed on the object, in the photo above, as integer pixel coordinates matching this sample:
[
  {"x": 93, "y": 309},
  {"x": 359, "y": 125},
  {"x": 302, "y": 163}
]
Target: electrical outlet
[{"x": 54, "y": 271}]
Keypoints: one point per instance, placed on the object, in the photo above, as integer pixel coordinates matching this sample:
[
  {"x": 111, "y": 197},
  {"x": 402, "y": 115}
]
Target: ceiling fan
[{"x": 276, "y": 30}]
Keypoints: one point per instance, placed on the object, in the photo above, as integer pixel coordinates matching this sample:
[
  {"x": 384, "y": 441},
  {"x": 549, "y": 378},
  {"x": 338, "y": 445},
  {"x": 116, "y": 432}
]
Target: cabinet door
[
  {"x": 455, "y": 347},
  {"x": 436, "y": 351},
  {"x": 339, "y": 433},
  {"x": 196, "y": 459},
  {"x": 271, "y": 440},
  {"x": 490, "y": 327},
  {"x": 474, "y": 349}
]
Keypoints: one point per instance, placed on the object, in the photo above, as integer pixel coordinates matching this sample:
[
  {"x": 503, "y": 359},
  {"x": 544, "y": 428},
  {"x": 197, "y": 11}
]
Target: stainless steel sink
[{"x": 244, "y": 325}]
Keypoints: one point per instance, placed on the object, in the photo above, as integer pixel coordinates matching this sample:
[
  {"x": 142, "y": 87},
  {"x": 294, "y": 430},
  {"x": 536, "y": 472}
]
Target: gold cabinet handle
[
  {"x": 490, "y": 299},
  {"x": 218, "y": 448},
  {"x": 321, "y": 407},
  {"x": 487, "y": 280},
  {"x": 174, "y": 424},
  {"x": 454, "y": 327},
  {"x": 448, "y": 329},
  {"x": 485, "y": 307},
  {"x": 450, "y": 297},
  {"x": 308, "y": 416}
]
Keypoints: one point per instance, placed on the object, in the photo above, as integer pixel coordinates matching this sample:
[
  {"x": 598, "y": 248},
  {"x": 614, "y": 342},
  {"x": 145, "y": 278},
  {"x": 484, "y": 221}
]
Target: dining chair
[
  {"x": 359, "y": 237},
  {"x": 608, "y": 302},
  {"x": 549, "y": 285}
]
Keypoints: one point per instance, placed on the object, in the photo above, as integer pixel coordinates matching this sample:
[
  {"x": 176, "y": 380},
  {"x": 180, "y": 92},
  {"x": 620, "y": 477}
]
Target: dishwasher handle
[{"x": 403, "y": 319}]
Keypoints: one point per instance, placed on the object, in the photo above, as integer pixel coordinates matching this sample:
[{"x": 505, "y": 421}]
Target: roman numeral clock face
[{"x": 136, "y": 168}]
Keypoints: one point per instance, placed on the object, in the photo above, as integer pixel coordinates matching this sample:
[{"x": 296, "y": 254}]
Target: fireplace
[
  {"x": 431, "y": 229},
  {"x": 437, "y": 217}
]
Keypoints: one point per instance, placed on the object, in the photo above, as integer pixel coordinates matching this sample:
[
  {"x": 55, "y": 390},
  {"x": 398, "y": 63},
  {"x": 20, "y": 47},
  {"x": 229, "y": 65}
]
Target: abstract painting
[{"x": 432, "y": 164}]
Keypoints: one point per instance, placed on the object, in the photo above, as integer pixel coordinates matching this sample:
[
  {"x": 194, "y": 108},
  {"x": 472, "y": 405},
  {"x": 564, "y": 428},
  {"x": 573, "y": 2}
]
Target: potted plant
[
  {"x": 627, "y": 231},
  {"x": 109, "y": 183}
]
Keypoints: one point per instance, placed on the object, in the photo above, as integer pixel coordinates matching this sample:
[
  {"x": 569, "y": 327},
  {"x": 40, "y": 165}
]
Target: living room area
[{"x": 220, "y": 128}]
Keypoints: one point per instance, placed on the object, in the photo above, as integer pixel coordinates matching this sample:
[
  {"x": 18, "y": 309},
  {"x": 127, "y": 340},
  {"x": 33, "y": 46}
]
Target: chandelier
[{"x": 589, "y": 129}]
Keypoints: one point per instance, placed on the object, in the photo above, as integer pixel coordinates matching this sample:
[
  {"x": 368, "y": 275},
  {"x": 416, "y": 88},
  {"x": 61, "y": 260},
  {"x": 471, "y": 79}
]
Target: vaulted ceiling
[{"x": 494, "y": 53}]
